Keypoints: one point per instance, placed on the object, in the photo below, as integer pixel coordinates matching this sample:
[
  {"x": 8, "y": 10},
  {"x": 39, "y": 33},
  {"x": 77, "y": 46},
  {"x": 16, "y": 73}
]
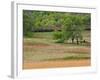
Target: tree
[
  {"x": 27, "y": 23},
  {"x": 71, "y": 25},
  {"x": 73, "y": 28}
]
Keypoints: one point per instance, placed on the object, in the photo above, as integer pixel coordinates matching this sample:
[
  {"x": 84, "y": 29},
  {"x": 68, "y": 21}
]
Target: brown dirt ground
[{"x": 54, "y": 64}]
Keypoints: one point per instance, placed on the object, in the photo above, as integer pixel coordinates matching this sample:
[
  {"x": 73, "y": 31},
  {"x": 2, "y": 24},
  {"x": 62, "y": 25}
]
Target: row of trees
[{"x": 71, "y": 25}]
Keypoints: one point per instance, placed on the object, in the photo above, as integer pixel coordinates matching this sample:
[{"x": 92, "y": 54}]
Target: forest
[{"x": 72, "y": 24}]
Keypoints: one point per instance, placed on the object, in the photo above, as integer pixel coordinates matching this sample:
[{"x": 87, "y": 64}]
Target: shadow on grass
[{"x": 67, "y": 58}]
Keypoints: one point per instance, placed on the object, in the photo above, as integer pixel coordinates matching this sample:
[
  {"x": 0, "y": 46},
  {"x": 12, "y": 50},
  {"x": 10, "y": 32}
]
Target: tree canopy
[
  {"x": 71, "y": 24},
  {"x": 52, "y": 20}
]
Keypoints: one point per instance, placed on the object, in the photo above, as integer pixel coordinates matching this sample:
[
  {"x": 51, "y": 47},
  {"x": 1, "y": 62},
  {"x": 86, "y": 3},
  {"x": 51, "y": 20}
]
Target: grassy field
[{"x": 43, "y": 48}]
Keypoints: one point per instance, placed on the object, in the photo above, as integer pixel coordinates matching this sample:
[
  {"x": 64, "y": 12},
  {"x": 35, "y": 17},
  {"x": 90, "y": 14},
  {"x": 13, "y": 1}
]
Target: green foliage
[
  {"x": 71, "y": 24},
  {"x": 59, "y": 40},
  {"x": 27, "y": 23},
  {"x": 29, "y": 34},
  {"x": 73, "y": 28},
  {"x": 57, "y": 35}
]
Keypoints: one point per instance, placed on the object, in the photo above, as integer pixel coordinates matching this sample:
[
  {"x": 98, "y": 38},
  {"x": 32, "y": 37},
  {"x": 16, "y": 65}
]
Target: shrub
[
  {"x": 57, "y": 35},
  {"x": 59, "y": 41},
  {"x": 29, "y": 34}
]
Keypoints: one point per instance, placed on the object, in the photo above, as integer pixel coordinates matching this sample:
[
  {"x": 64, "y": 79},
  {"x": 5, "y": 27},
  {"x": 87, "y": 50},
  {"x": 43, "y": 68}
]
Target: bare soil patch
[{"x": 54, "y": 64}]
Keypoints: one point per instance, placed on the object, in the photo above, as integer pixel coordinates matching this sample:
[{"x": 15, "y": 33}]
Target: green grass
[
  {"x": 46, "y": 35},
  {"x": 64, "y": 56},
  {"x": 70, "y": 58},
  {"x": 42, "y": 47}
]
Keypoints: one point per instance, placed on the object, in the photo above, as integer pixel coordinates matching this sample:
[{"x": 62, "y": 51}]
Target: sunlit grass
[{"x": 42, "y": 47}]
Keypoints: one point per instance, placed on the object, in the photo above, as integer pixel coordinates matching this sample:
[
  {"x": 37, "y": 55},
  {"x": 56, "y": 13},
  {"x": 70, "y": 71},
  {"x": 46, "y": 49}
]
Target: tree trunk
[
  {"x": 77, "y": 41},
  {"x": 72, "y": 40}
]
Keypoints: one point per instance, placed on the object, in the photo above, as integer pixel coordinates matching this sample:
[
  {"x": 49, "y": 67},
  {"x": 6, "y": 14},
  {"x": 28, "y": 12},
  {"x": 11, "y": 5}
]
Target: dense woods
[{"x": 65, "y": 25}]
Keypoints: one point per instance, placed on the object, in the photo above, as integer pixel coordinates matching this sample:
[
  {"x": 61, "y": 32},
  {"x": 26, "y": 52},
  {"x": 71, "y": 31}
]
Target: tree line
[{"x": 69, "y": 24}]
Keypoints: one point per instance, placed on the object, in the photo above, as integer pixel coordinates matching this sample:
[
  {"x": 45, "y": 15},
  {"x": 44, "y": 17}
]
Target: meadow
[
  {"x": 56, "y": 39},
  {"x": 42, "y": 47}
]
